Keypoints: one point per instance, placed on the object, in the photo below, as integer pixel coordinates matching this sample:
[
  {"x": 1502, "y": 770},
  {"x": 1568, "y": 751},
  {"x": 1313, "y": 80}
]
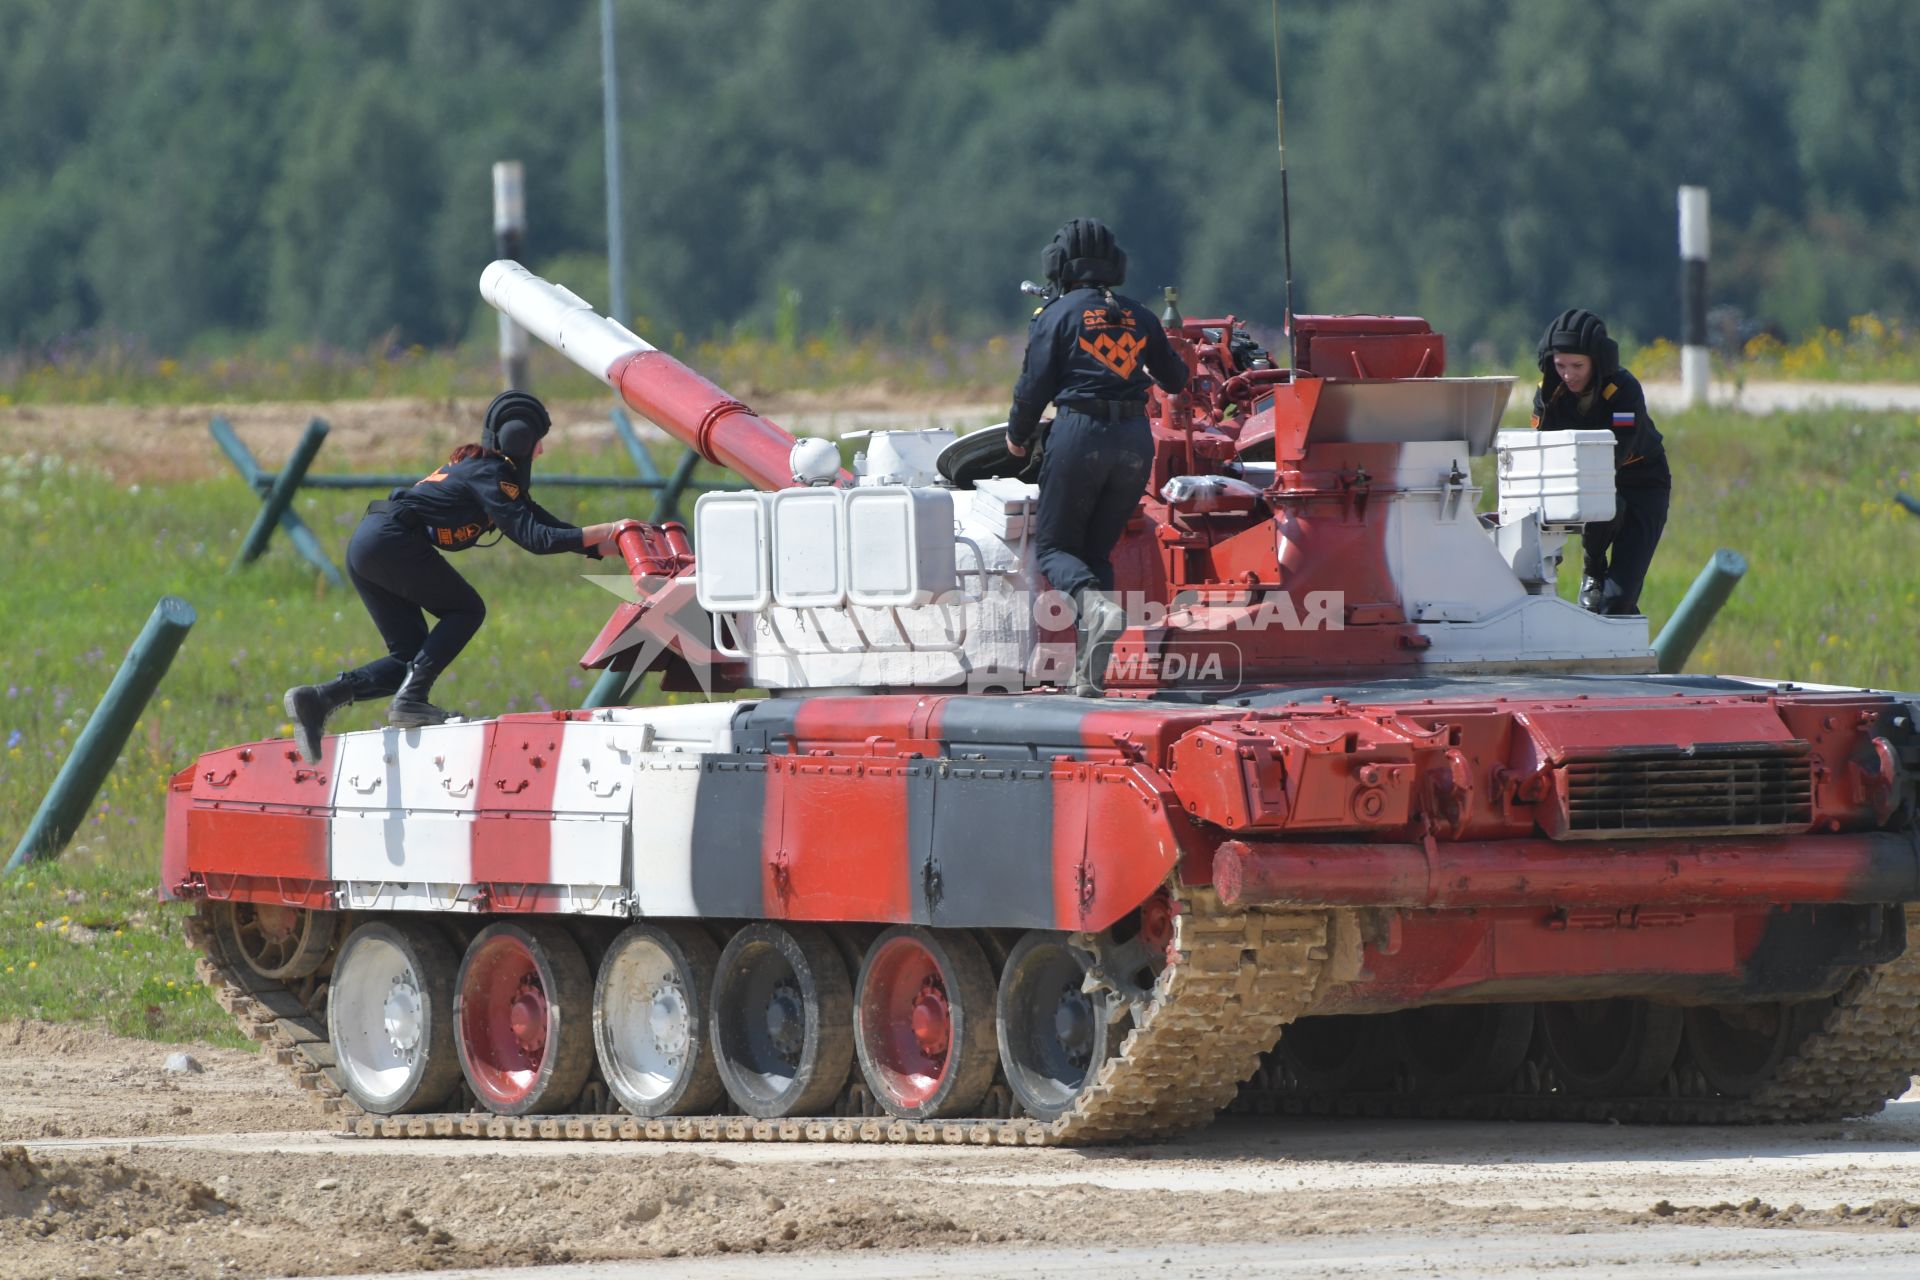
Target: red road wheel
[
  {"x": 525, "y": 1018},
  {"x": 277, "y": 942},
  {"x": 924, "y": 1023}
]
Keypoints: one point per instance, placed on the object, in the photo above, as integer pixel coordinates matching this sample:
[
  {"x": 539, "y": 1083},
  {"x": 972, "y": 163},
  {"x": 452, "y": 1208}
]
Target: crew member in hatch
[{"x": 1582, "y": 386}]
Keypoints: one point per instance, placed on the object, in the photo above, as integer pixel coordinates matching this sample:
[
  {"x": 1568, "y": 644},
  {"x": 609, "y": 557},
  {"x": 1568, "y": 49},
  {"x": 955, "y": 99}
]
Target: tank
[{"x": 1370, "y": 821}]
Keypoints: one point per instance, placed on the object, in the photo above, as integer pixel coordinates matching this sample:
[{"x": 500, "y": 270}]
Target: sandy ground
[
  {"x": 171, "y": 442},
  {"x": 111, "y": 1166},
  {"x": 134, "y": 444}
]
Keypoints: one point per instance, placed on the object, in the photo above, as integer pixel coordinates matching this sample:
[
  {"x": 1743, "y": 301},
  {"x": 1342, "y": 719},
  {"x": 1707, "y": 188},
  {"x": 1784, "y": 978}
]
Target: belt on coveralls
[
  {"x": 409, "y": 520},
  {"x": 1111, "y": 410}
]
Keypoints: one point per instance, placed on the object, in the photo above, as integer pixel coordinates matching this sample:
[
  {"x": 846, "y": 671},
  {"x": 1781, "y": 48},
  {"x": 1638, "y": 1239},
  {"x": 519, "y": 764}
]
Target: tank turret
[{"x": 1311, "y": 521}]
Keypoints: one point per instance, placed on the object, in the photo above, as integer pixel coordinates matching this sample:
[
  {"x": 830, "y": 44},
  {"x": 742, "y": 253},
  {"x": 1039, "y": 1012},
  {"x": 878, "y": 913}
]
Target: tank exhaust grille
[{"x": 1716, "y": 789}]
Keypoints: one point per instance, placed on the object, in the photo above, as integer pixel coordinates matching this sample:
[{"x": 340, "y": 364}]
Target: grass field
[{"x": 1831, "y": 596}]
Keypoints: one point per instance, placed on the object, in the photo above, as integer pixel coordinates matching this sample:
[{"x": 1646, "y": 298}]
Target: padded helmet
[
  {"x": 514, "y": 424},
  {"x": 1580, "y": 333},
  {"x": 1084, "y": 252}
]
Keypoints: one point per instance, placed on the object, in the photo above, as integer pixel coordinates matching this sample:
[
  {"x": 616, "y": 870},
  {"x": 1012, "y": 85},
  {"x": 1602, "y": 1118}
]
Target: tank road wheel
[
  {"x": 1453, "y": 1049},
  {"x": 524, "y": 1015},
  {"x": 924, "y": 1023},
  {"x": 390, "y": 1017},
  {"x": 1338, "y": 1053},
  {"x": 1739, "y": 1046},
  {"x": 1054, "y": 1035},
  {"x": 782, "y": 1009},
  {"x": 650, "y": 1023},
  {"x": 1610, "y": 1048},
  {"x": 279, "y": 943}
]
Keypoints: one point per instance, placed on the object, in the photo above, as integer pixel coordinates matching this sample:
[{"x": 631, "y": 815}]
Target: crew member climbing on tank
[
  {"x": 1582, "y": 386},
  {"x": 1091, "y": 353},
  {"x": 395, "y": 561}
]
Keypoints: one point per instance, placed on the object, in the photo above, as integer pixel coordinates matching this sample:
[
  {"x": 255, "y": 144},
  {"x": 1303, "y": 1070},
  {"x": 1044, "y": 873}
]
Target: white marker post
[
  {"x": 509, "y": 237},
  {"x": 1695, "y": 368}
]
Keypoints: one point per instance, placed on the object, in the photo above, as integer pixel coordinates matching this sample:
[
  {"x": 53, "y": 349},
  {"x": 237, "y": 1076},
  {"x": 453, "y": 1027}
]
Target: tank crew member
[
  {"x": 395, "y": 561},
  {"x": 1582, "y": 386},
  {"x": 1091, "y": 353}
]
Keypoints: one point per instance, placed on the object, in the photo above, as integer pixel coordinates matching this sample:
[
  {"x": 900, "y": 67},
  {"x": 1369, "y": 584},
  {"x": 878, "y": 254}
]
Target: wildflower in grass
[
  {"x": 13, "y": 739},
  {"x": 33, "y": 964}
]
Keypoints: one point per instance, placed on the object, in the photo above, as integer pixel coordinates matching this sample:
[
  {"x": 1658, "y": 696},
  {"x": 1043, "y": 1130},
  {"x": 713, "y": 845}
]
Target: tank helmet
[
  {"x": 1084, "y": 252},
  {"x": 1581, "y": 333},
  {"x": 515, "y": 422}
]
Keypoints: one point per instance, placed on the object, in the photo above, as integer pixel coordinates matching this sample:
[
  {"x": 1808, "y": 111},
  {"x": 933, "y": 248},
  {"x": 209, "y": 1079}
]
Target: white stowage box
[
  {"x": 809, "y": 548},
  {"x": 1006, "y": 506},
  {"x": 899, "y": 545},
  {"x": 1567, "y": 476},
  {"x": 735, "y": 573}
]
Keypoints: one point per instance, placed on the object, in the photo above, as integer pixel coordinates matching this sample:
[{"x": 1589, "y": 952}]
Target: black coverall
[
  {"x": 1095, "y": 369},
  {"x": 1618, "y": 551},
  {"x": 395, "y": 562}
]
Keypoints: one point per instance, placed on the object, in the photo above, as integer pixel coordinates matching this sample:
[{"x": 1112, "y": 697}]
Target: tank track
[
  {"x": 1865, "y": 1052},
  {"x": 1236, "y": 979}
]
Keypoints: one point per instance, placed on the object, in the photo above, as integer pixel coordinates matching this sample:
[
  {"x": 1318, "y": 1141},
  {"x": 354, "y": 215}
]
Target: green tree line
[{"x": 189, "y": 171}]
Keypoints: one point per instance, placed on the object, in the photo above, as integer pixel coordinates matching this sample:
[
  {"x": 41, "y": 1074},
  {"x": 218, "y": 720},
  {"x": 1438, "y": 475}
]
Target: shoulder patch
[
  {"x": 509, "y": 488},
  {"x": 1037, "y": 310},
  {"x": 1606, "y": 392}
]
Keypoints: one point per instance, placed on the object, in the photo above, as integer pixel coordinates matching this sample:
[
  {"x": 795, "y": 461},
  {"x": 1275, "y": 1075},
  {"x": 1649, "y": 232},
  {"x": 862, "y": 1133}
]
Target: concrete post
[
  {"x": 610, "y": 124},
  {"x": 98, "y": 746},
  {"x": 509, "y": 241},
  {"x": 1695, "y": 368}
]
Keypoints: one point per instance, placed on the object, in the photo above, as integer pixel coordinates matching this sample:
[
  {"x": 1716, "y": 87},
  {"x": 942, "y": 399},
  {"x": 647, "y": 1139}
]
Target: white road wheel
[
  {"x": 390, "y": 1017},
  {"x": 650, "y": 1020}
]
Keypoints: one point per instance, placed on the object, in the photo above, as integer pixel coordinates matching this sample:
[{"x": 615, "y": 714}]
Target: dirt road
[{"x": 111, "y": 1165}]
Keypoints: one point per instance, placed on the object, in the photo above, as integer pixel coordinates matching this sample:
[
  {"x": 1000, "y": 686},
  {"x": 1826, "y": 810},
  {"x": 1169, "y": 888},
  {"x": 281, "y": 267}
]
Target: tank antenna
[{"x": 1286, "y": 220}]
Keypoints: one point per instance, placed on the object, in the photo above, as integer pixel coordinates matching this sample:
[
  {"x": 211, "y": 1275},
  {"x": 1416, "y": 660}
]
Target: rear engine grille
[{"x": 1719, "y": 789}]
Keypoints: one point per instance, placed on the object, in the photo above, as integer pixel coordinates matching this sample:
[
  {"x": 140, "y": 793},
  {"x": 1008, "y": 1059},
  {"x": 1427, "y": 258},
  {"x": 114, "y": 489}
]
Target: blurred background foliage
[{"x": 192, "y": 172}]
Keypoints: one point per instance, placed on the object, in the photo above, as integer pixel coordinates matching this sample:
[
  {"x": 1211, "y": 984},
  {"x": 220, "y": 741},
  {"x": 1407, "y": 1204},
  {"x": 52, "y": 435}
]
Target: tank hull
[{"x": 1399, "y": 846}]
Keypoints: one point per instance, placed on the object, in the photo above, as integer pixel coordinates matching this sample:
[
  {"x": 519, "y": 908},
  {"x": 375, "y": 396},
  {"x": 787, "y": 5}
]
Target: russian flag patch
[{"x": 1622, "y": 419}]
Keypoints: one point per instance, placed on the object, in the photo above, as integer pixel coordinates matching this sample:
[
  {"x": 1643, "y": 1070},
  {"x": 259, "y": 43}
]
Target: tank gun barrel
[{"x": 649, "y": 381}]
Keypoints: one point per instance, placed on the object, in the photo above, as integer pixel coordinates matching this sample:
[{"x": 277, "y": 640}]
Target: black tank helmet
[
  {"x": 1084, "y": 252},
  {"x": 1580, "y": 333},
  {"x": 516, "y": 421}
]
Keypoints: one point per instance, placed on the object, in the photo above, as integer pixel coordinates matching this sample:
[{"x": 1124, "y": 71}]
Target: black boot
[
  {"x": 410, "y": 708},
  {"x": 309, "y": 705},
  {"x": 1101, "y": 623}
]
